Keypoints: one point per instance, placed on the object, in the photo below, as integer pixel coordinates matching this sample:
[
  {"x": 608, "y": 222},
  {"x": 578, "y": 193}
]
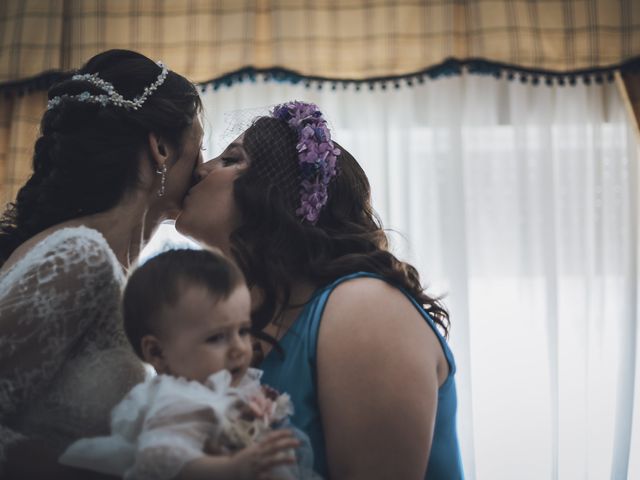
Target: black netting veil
[{"x": 271, "y": 146}]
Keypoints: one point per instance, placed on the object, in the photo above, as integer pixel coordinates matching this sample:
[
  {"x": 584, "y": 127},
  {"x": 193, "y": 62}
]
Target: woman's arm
[{"x": 377, "y": 382}]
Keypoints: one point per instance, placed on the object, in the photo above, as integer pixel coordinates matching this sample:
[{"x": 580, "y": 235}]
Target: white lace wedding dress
[{"x": 64, "y": 358}]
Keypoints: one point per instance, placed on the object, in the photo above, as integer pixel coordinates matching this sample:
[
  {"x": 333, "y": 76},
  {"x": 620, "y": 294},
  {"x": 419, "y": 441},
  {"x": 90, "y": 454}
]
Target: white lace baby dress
[
  {"x": 166, "y": 422},
  {"x": 64, "y": 358}
]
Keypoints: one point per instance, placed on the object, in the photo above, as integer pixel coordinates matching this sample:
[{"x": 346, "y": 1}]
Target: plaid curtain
[
  {"x": 204, "y": 39},
  {"x": 19, "y": 121}
]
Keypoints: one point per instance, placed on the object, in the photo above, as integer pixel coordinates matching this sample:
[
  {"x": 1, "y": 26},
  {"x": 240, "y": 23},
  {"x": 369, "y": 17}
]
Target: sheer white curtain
[{"x": 519, "y": 202}]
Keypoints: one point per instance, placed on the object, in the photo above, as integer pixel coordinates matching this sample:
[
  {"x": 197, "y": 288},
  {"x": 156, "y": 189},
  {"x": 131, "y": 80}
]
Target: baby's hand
[{"x": 273, "y": 450}]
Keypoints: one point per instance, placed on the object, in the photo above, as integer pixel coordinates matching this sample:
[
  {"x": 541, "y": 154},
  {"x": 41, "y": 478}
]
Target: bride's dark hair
[
  {"x": 87, "y": 155},
  {"x": 274, "y": 248}
]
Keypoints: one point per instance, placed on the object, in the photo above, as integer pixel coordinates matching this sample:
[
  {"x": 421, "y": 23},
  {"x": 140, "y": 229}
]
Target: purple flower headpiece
[{"x": 317, "y": 155}]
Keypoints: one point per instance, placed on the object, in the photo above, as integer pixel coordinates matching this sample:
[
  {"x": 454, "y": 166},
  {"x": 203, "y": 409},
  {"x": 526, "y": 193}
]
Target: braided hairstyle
[
  {"x": 87, "y": 154},
  {"x": 274, "y": 248}
]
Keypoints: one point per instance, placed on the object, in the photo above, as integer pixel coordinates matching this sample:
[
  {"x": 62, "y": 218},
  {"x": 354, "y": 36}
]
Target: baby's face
[{"x": 203, "y": 334}]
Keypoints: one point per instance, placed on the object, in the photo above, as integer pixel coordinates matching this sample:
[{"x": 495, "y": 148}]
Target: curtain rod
[{"x": 449, "y": 67}]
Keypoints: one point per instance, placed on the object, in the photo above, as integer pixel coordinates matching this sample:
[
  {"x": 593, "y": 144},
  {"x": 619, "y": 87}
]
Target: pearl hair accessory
[{"x": 111, "y": 97}]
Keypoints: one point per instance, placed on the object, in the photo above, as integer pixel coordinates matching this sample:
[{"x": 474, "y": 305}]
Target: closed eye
[
  {"x": 226, "y": 161},
  {"x": 217, "y": 338}
]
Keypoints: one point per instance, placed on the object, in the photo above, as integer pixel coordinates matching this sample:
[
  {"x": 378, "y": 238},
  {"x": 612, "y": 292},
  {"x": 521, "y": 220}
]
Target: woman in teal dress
[{"x": 345, "y": 327}]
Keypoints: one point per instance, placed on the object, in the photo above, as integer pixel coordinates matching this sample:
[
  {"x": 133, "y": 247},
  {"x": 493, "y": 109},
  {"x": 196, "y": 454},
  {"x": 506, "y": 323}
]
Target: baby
[{"x": 205, "y": 415}]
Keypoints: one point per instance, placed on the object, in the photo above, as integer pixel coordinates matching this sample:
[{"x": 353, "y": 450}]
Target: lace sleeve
[{"x": 48, "y": 301}]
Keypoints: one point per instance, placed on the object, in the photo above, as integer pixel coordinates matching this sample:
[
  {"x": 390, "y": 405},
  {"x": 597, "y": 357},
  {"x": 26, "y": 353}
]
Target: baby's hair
[{"x": 160, "y": 281}]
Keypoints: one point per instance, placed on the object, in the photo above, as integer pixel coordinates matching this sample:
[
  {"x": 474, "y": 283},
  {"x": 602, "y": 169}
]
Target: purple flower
[
  {"x": 321, "y": 133},
  {"x": 313, "y": 198},
  {"x": 317, "y": 155}
]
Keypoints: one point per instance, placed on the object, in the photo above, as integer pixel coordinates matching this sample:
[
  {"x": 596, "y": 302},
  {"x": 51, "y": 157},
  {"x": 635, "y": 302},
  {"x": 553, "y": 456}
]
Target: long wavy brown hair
[{"x": 274, "y": 248}]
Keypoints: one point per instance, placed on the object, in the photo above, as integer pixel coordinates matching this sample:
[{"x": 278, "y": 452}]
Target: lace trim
[{"x": 43, "y": 247}]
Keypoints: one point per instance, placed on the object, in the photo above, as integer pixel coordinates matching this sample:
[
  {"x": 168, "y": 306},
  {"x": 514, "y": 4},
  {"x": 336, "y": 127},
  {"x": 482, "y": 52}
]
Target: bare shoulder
[
  {"x": 370, "y": 302},
  {"x": 362, "y": 287},
  {"x": 375, "y": 318}
]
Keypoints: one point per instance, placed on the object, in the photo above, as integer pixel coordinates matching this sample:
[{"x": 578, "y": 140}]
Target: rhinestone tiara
[{"x": 111, "y": 96}]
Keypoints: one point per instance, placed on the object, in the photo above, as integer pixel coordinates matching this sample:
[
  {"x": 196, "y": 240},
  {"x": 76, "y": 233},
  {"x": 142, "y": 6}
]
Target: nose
[
  {"x": 238, "y": 346},
  {"x": 202, "y": 170}
]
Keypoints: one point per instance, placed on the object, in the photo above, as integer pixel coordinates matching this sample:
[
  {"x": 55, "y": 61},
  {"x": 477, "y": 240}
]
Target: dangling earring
[{"x": 163, "y": 179}]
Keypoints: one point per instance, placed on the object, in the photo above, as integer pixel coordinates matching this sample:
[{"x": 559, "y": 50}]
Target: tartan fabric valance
[{"x": 323, "y": 39}]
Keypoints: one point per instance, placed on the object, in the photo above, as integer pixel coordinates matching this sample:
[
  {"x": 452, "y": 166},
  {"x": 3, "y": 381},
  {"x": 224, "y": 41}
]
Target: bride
[{"x": 118, "y": 147}]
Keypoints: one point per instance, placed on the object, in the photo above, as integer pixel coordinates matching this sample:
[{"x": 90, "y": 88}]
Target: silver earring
[{"x": 163, "y": 179}]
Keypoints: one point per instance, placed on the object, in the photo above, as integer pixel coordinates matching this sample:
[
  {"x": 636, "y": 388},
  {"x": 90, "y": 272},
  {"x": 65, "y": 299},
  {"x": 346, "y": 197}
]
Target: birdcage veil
[
  {"x": 280, "y": 152},
  {"x": 235, "y": 122}
]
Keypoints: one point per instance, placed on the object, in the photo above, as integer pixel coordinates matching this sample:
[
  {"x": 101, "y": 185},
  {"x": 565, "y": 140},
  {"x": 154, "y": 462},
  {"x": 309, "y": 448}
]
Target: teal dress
[{"x": 296, "y": 374}]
